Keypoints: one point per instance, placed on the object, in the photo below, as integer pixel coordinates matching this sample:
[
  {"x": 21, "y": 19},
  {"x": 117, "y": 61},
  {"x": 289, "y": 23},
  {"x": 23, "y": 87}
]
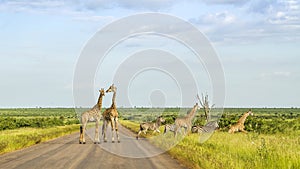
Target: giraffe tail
[
  {"x": 81, "y": 129},
  {"x": 102, "y": 129}
]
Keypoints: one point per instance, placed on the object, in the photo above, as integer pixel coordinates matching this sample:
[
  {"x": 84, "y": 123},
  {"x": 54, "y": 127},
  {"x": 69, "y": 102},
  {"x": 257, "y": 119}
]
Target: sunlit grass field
[
  {"x": 11, "y": 140},
  {"x": 237, "y": 151},
  {"x": 23, "y": 127}
]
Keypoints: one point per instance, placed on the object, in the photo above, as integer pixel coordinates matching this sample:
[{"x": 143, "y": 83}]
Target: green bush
[{"x": 7, "y": 123}]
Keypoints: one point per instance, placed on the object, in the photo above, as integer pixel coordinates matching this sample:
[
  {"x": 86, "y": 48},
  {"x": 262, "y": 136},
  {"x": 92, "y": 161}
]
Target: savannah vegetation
[
  {"x": 272, "y": 141},
  {"x": 24, "y": 127}
]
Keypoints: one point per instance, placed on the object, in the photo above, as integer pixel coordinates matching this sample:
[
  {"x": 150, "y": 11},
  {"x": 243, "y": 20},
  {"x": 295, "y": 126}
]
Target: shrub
[{"x": 7, "y": 123}]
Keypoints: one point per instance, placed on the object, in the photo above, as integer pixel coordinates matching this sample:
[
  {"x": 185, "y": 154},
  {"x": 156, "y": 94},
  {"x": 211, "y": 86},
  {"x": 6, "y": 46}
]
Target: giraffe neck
[
  {"x": 192, "y": 114},
  {"x": 243, "y": 118},
  {"x": 114, "y": 100},
  {"x": 99, "y": 103}
]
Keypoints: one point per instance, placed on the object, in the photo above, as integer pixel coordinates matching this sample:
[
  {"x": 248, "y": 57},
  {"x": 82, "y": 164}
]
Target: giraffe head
[
  {"x": 196, "y": 106},
  {"x": 250, "y": 112},
  {"x": 111, "y": 88},
  {"x": 102, "y": 92}
]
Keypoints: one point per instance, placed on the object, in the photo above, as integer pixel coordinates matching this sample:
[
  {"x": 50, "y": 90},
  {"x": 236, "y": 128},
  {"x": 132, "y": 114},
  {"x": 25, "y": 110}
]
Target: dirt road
[{"x": 65, "y": 152}]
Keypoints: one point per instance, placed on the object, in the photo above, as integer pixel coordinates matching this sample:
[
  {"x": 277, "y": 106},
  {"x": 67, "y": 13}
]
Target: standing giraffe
[
  {"x": 183, "y": 122},
  {"x": 90, "y": 115},
  {"x": 239, "y": 126},
  {"x": 110, "y": 115}
]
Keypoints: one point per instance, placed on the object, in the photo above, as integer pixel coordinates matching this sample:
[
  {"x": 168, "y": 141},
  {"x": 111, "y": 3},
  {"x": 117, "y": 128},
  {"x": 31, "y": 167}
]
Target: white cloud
[
  {"x": 275, "y": 74},
  {"x": 259, "y": 6},
  {"x": 91, "y": 5},
  {"x": 228, "y": 2},
  {"x": 285, "y": 74},
  {"x": 153, "y": 5},
  {"x": 276, "y": 11},
  {"x": 35, "y": 4},
  {"x": 251, "y": 21},
  {"x": 93, "y": 18},
  {"x": 222, "y": 18},
  {"x": 146, "y": 4},
  {"x": 218, "y": 25},
  {"x": 31, "y": 6}
]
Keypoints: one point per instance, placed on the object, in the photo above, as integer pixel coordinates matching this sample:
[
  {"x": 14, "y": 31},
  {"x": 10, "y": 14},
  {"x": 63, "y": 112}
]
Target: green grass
[
  {"x": 277, "y": 145},
  {"x": 11, "y": 140},
  {"x": 237, "y": 151},
  {"x": 133, "y": 126},
  {"x": 223, "y": 150}
]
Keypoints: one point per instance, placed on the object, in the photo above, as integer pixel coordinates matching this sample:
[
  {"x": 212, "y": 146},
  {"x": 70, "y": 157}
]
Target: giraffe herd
[{"x": 110, "y": 116}]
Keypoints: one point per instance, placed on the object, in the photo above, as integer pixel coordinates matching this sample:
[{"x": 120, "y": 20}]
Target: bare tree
[{"x": 205, "y": 105}]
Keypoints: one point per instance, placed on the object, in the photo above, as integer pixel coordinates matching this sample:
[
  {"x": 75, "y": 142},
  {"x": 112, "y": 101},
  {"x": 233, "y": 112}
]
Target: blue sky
[{"x": 257, "y": 43}]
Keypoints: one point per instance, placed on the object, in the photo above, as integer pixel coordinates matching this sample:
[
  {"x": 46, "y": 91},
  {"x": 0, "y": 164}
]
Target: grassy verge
[
  {"x": 239, "y": 151},
  {"x": 11, "y": 140},
  {"x": 225, "y": 150}
]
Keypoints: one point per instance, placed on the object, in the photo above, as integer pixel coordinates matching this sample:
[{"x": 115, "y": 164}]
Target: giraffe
[
  {"x": 110, "y": 115},
  {"x": 185, "y": 122},
  {"x": 239, "y": 126},
  {"x": 90, "y": 115}
]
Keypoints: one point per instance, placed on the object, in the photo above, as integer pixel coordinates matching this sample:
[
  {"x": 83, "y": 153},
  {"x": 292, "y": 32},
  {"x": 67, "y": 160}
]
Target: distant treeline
[{"x": 7, "y": 123}]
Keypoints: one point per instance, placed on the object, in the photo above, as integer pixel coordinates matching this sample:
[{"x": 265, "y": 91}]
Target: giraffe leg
[
  {"x": 104, "y": 127},
  {"x": 97, "y": 132},
  {"x": 112, "y": 129},
  {"x": 185, "y": 130},
  {"x": 83, "y": 132},
  {"x": 117, "y": 132},
  {"x": 244, "y": 131},
  {"x": 176, "y": 131},
  {"x": 189, "y": 128},
  {"x": 81, "y": 135},
  {"x": 232, "y": 129}
]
